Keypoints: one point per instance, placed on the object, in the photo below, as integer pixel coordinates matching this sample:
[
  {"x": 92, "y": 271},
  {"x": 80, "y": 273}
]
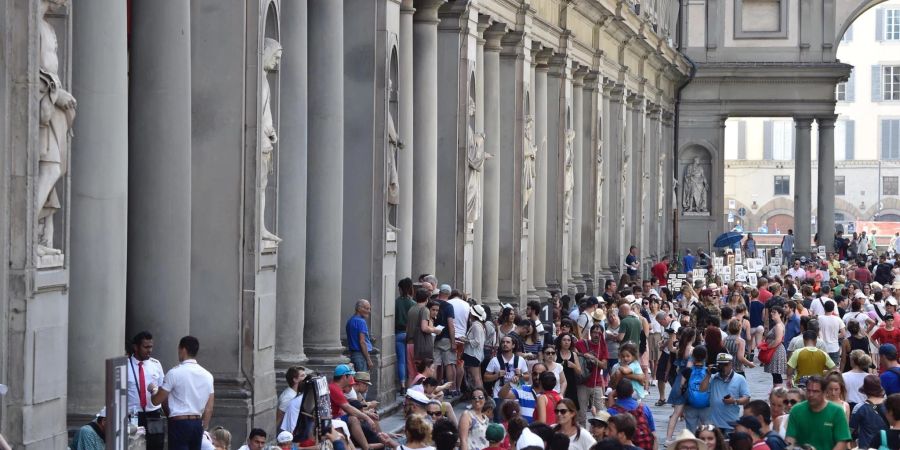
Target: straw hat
[
  {"x": 685, "y": 436},
  {"x": 599, "y": 314}
]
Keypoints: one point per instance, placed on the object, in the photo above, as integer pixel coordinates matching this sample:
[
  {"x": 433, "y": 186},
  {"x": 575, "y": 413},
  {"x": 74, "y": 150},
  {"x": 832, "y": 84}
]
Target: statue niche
[
  {"x": 268, "y": 135},
  {"x": 695, "y": 189},
  {"x": 394, "y": 147},
  {"x": 56, "y": 116},
  {"x": 475, "y": 159}
]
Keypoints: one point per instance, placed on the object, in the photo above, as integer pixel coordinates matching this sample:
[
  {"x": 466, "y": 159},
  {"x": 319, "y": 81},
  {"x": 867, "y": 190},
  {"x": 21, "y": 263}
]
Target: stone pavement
[{"x": 759, "y": 381}]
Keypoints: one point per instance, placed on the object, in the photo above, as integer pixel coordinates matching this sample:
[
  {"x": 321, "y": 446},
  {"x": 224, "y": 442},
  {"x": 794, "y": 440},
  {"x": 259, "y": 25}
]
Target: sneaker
[{"x": 652, "y": 382}]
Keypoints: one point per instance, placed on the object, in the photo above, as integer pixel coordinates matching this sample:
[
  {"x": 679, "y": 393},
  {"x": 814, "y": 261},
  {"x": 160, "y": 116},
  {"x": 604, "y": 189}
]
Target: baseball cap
[
  {"x": 343, "y": 369},
  {"x": 749, "y": 422},
  {"x": 363, "y": 377},
  {"x": 102, "y": 413},
  {"x": 417, "y": 397},
  {"x": 284, "y": 437},
  {"x": 888, "y": 351},
  {"x": 494, "y": 432},
  {"x": 445, "y": 289},
  {"x": 724, "y": 358}
]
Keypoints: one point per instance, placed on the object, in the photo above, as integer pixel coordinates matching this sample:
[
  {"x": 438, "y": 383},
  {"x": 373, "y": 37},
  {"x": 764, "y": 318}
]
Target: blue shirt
[
  {"x": 890, "y": 381},
  {"x": 756, "y": 313},
  {"x": 689, "y": 263},
  {"x": 445, "y": 316},
  {"x": 629, "y": 260},
  {"x": 720, "y": 413},
  {"x": 631, "y": 404},
  {"x": 357, "y": 325},
  {"x": 527, "y": 401},
  {"x": 751, "y": 248},
  {"x": 791, "y": 329}
]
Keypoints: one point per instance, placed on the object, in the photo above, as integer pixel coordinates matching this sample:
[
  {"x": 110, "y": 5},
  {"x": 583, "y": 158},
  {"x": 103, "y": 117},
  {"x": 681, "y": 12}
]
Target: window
[
  {"x": 839, "y": 185},
  {"x": 778, "y": 139},
  {"x": 782, "y": 185},
  {"x": 844, "y": 135},
  {"x": 890, "y": 139},
  {"x": 890, "y": 82},
  {"x": 840, "y": 92},
  {"x": 890, "y": 186},
  {"x": 892, "y": 24}
]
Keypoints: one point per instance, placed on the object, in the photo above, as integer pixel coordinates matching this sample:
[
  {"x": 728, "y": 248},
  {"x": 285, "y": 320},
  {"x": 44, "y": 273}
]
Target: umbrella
[{"x": 729, "y": 239}]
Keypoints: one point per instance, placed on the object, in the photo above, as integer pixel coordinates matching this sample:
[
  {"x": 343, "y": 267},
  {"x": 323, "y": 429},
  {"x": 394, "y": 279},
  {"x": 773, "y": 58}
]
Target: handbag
[{"x": 765, "y": 352}]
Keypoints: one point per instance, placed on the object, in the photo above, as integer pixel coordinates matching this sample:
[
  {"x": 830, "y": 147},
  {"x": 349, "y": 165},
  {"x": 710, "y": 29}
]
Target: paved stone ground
[{"x": 759, "y": 381}]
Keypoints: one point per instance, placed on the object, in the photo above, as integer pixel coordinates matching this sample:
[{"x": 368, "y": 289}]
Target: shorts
[
  {"x": 470, "y": 361},
  {"x": 662, "y": 368},
  {"x": 653, "y": 342},
  {"x": 444, "y": 354}
]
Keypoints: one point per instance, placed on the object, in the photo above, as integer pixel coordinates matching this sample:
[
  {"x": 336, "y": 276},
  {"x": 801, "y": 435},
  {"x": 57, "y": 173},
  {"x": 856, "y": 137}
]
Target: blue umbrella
[{"x": 729, "y": 239}]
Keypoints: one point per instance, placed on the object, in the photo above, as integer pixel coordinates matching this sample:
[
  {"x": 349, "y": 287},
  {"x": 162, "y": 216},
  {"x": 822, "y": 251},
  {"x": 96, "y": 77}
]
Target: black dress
[
  {"x": 857, "y": 343},
  {"x": 571, "y": 387}
]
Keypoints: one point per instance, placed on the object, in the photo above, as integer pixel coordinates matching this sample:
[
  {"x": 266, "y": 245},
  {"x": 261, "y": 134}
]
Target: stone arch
[
  {"x": 749, "y": 219},
  {"x": 846, "y": 14},
  {"x": 889, "y": 206},
  {"x": 778, "y": 206}
]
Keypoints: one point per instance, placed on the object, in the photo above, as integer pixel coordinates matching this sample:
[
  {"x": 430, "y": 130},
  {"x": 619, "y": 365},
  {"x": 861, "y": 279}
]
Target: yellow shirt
[{"x": 809, "y": 361}]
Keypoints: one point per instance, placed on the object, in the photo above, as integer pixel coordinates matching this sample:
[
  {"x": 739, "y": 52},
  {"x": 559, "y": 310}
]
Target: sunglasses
[
  {"x": 549, "y": 353},
  {"x": 562, "y": 411},
  {"x": 480, "y": 397},
  {"x": 434, "y": 413},
  {"x": 790, "y": 402}
]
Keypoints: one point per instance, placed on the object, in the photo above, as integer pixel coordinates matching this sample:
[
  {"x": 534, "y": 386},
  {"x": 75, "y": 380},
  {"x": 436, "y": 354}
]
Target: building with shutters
[{"x": 759, "y": 152}]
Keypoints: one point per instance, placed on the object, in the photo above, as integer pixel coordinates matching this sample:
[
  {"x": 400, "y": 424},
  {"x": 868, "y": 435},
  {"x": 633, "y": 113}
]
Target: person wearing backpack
[
  {"x": 868, "y": 417},
  {"x": 890, "y": 376},
  {"x": 645, "y": 428},
  {"x": 696, "y": 402},
  {"x": 728, "y": 391}
]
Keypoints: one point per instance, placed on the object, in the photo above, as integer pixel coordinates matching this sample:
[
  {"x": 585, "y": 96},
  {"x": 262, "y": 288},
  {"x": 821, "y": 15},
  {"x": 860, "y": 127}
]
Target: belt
[{"x": 185, "y": 418}]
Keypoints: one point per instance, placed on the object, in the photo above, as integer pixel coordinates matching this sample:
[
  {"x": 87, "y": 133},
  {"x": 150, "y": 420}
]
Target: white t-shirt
[
  {"x": 829, "y": 331},
  {"x": 581, "y": 440},
  {"x": 797, "y": 273},
  {"x": 573, "y": 314},
  {"x": 291, "y": 413},
  {"x": 854, "y": 381},
  {"x": 557, "y": 370},
  {"x": 817, "y": 306},
  {"x": 859, "y": 317},
  {"x": 189, "y": 387},
  {"x": 494, "y": 367},
  {"x": 461, "y": 310},
  {"x": 286, "y": 396},
  {"x": 529, "y": 439}
]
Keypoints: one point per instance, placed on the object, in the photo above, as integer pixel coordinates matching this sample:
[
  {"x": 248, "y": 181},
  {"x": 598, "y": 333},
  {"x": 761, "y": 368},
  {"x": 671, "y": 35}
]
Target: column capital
[
  {"x": 540, "y": 56},
  {"x": 513, "y": 43},
  {"x": 484, "y": 21},
  {"x": 426, "y": 11},
  {"x": 668, "y": 117},
  {"x": 803, "y": 122},
  {"x": 578, "y": 74},
  {"x": 616, "y": 91},
  {"x": 493, "y": 36},
  {"x": 826, "y": 121},
  {"x": 634, "y": 100},
  {"x": 592, "y": 80},
  {"x": 558, "y": 64},
  {"x": 406, "y": 7},
  {"x": 653, "y": 110}
]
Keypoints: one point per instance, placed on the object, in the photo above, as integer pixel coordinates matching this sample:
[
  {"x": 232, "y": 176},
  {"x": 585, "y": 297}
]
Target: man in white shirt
[
  {"x": 188, "y": 388},
  {"x": 142, "y": 371},
  {"x": 256, "y": 440},
  {"x": 831, "y": 329},
  {"x": 797, "y": 271},
  {"x": 461, "y": 310}
]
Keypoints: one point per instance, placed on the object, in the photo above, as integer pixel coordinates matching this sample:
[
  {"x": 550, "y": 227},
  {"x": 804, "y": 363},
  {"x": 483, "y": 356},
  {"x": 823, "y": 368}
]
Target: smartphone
[{"x": 326, "y": 426}]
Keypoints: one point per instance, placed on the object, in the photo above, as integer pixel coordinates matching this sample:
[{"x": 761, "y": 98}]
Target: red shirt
[
  {"x": 863, "y": 275},
  {"x": 884, "y": 336},
  {"x": 761, "y": 445},
  {"x": 553, "y": 399},
  {"x": 601, "y": 352},
  {"x": 764, "y": 295},
  {"x": 338, "y": 399},
  {"x": 660, "y": 270}
]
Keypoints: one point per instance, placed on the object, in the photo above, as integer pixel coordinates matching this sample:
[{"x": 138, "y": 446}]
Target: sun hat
[
  {"x": 685, "y": 436},
  {"x": 417, "y": 397},
  {"x": 102, "y": 413},
  {"x": 872, "y": 386},
  {"x": 363, "y": 377},
  {"x": 479, "y": 313},
  {"x": 599, "y": 314},
  {"x": 284, "y": 437}
]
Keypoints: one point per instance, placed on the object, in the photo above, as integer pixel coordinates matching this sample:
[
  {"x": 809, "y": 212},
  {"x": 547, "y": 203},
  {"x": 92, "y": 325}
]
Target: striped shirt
[{"x": 527, "y": 401}]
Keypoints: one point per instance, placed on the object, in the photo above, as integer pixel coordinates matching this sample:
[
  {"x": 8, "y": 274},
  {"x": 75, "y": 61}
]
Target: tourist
[
  {"x": 856, "y": 340},
  {"x": 445, "y": 435},
  {"x": 688, "y": 262},
  {"x": 495, "y": 435},
  {"x": 143, "y": 370},
  {"x": 816, "y": 421},
  {"x": 221, "y": 438},
  {"x": 531, "y": 340},
  {"x": 645, "y": 427},
  {"x": 589, "y": 393},
  {"x": 762, "y": 412},
  {"x": 284, "y": 441},
  {"x": 342, "y": 409},
  {"x": 629, "y": 369},
  {"x": 622, "y": 427},
  {"x": 682, "y": 360},
  {"x": 358, "y": 341},
  {"x": 546, "y": 398},
  {"x": 792, "y": 397},
  {"x": 831, "y": 329},
  {"x": 599, "y": 423},
  {"x": 294, "y": 376},
  {"x": 461, "y": 311},
  {"x": 736, "y": 347},
  {"x": 506, "y": 322},
  {"x": 892, "y": 410},
  {"x": 567, "y": 424},
  {"x": 888, "y": 333},
  {"x": 787, "y": 245},
  {"x": 507, "y": 368},
  {"x": 890, "y": 368},
  {"x": 549, "y": 359},
  {"x": 419, "y": 332},
  {"x": 256, "y": 440},
  {"x": 660, "y": 270},
  {"x": 777, "y": 365},
  {"x": 473, "y": 353},
  {"x": 402, "y": 305},
  {"x": 807, "y": 361},
  {"x": 665, "y": 346},
  {"x": 444, "y": 342},
  {"x": 728, "y": 392},
  {"x": 860, "y": 363},
  {"x": 524, "y": 394},
  {"x": 473, "y": 423},
  {"x": 868, "y": 417},
  {"x": 629, "y": 326},
  {"x": 93, "y": 435},
  {"x": 188, "y": 388},
  {"x": 632, "y": 264},
  {"x": 836, "y": 392}
]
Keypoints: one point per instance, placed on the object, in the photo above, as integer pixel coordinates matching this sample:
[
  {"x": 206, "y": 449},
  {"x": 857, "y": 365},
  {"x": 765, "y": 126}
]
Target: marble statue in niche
[
  {"x": 695, "y": 188},
  {"x": 601, "y": 177},
  {"x": 269, "y": 137},
  {"x": 394, "y": 147},
  {"x": 644, "y": 207},
  {"x": 475, "y": 158},
  {"x": 569, "y": 173},
  {"x": 56, "y": 116},
  {"x": 661, "y": 192},
  {"x": 528, "y": 167},
  {"x": 626, "y": 156}
]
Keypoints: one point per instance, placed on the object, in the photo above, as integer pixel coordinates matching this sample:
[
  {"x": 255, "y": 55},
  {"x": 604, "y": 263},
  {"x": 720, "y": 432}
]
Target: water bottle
[{"x": 134, "y": 419}]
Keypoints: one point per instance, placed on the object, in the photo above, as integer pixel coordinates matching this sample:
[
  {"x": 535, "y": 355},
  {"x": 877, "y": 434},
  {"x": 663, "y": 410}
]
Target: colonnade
[{"x": 803, "y": 182}]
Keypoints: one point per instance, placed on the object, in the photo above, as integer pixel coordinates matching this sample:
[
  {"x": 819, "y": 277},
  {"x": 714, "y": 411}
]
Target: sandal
[{"x": 660, "y": 402}]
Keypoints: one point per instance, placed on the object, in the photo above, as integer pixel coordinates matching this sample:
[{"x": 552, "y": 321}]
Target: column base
[
  {"x": 533, "y": 295},
  {"x": 589, "y": 287},
  {"x": 542, "y": 292},
  {"x": 238, "y": 410}
]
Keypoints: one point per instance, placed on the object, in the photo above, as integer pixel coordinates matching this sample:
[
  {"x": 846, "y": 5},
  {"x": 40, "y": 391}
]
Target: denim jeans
[
  {"x": 185, "y": 434},
  {"x": 694, "y": 417},
  {"x": 400, "y": 347},
  {"x": 359, "y": 362}
]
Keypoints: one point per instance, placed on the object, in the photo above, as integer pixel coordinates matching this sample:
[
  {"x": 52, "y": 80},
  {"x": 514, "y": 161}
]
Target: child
[
  {"x": 494, "y": 435},
  {"x": 629, "y": 367}
]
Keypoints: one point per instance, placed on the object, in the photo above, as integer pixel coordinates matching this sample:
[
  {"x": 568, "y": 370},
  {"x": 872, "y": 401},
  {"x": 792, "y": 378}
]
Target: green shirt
[
  {"x": 401, "y": 307},
  {"x": 823, "y": 429},
  {"x": 631, "y": 326}
]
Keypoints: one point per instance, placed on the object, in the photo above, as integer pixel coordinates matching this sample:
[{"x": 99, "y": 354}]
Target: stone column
[
  {"x": 539, "y": 230},
  {"x": 577, "y": 209},
  {"x": 802, "y": 186},
  {"x": 616, "y": 152},
  {"x": 425, "y": 93},
  {"x": 532, "y": 214},
  {"x": 557, "y": 106},
  {"x": 491, "y": 218},
  {"x": 292, "y": 156},
  {"x": 589, "y": 200},
  {"x": 649, "y": 200},
  {"x": 478, "y": 246},
  {"x": 405, "y": 163},
  {"x": 825, "y": 194},
  {"x": 637, "y": 229},
  {"x": 99, "y": 211},
  {"x": 668, "y": 226},
  {"x": 159, "y": 184},
  {"x": 325, "y": 190}
]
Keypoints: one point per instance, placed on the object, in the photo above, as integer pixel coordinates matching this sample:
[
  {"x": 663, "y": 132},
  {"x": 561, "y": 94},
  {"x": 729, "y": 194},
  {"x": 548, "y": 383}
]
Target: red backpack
[{"x": 643, "y": 437}]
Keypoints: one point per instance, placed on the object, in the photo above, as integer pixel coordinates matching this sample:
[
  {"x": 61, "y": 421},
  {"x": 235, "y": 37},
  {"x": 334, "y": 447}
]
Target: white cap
[
  {"x": 102, "y": 413},
  {"x": 284, "y": 437}
]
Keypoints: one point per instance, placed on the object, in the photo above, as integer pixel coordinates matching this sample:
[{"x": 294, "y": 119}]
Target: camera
[{"x": 714, "y": 370}]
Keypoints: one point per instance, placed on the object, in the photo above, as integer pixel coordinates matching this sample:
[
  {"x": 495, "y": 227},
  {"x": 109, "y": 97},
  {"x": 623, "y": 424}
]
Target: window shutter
[
  {"x": 849, "y": 131},
  {"x": 848, "y": 35},
  {"x": 793, "y": 136},
  {"x": 876, "y": 83},
  {"x": 885, "y": 139},
  {"x": 850, "y": 88},
  {"x": 879, "y": 24},
  {"x": 767, "y": 140},
  {"x": 742, "y": 140}
]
